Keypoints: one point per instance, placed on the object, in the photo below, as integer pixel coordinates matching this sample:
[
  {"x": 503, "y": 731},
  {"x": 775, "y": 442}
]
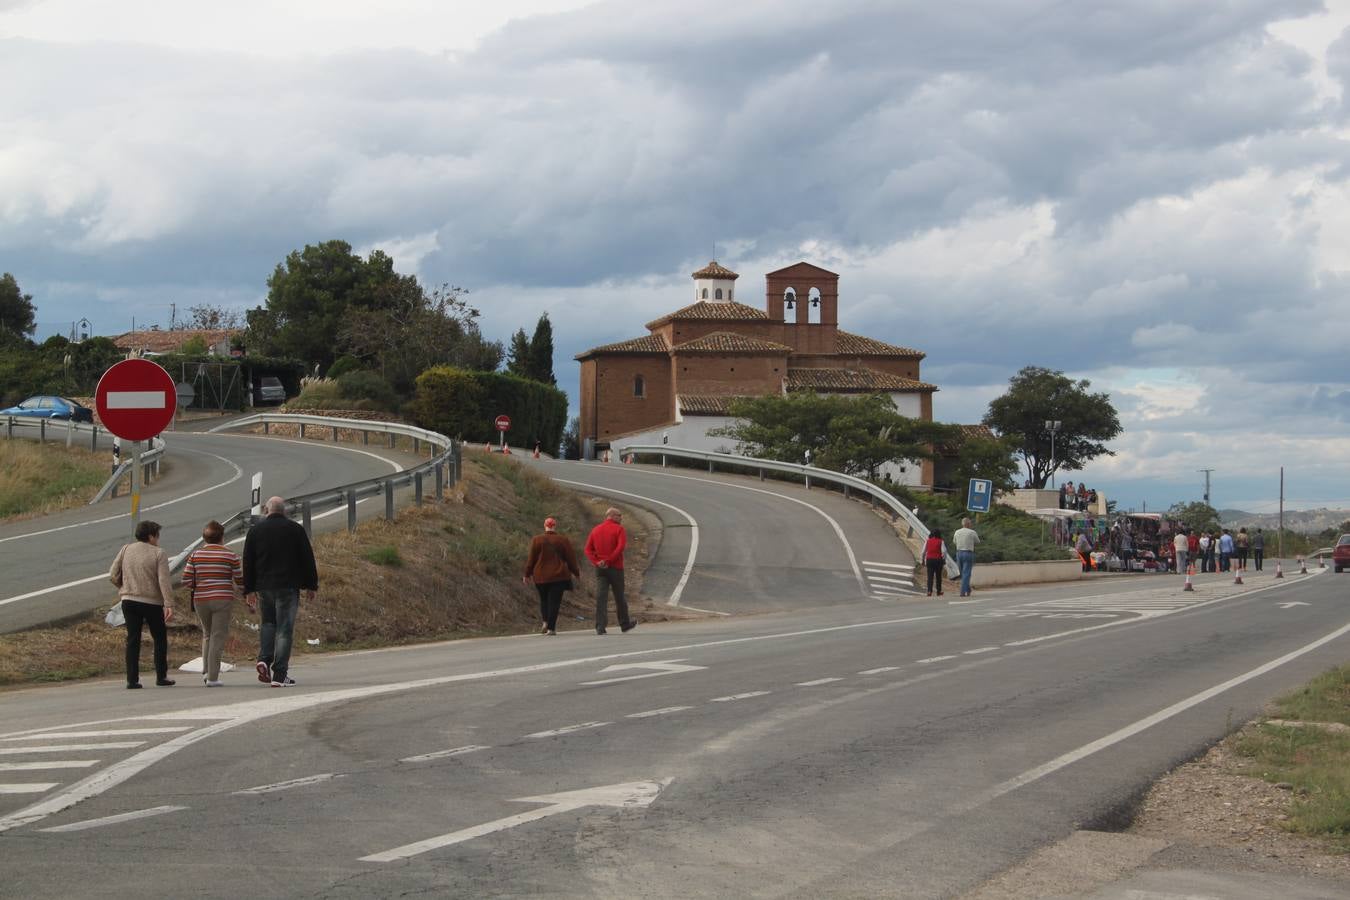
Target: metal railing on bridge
[{"x": 848, "y": 484}]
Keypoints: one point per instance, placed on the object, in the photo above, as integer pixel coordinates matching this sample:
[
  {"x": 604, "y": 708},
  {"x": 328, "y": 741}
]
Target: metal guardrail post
[
  {"x": 93, "y": 440},
  {"x": 365, "y": 438},
  {"x": 389, "y": 501},
  {"x": 417, "y": 488},
  {"x": 302, "y": 429},
  {"x": 761, "y": 474},
  {"x": 440, "y": 481},
  {"x": 351, "y": 510},
  {"x": 267, "y": 428},
  {"x": 808, "y": 480},
  {"x": 42, "y": 431},
  {"x": 335, "y": 434},
  {"x": 9, "y": 426},
  {"x": 307, "y": 517},
  {"x": 710, "y": 465},
  {"x": 417, "y": 446},
  {"x": 70, "y": 431},
  {"x": 391, "y": 440}
]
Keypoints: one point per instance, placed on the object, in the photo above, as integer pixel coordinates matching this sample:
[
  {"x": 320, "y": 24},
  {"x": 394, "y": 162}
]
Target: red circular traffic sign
[
  {"x": 136, "y": 399},
  {"x": 503, "y": 423}
]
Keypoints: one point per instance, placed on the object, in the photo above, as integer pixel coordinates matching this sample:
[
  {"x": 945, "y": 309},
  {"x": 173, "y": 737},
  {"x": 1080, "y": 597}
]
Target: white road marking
[
  {"x": 287, "y": 785},
  {"x": 442, "y": 754},
  {"x": 674, "y": 599},
  {"x": 1162, "y": 715},
  {"x": 568, "y": 729},
  {"x": 879, "y": 670},
  {"x": 633, "y": 795},
  {"x": 53, "y": 589},
  {"x": 817, "y": 681},
  {"x": 667, "y": 667},
  {"x": 897, "y": 567},
  {"x": 664, "y": 711},
  {"x": 933, "y": 659},
  {"x": 979, "y": 650},
  {"x": 838, "y": 531},
  {"x": 112, "y": 732},
  {"x": 1292, "y": 603},
  {"x": 66, "y": 748},
  {"x": 908, "y": 582},
  {"x": 48, "y": 764},
  {"x": 233, "y": 715},
  {"x": 745, "y": 696},
  {"x": 29, "y": 788},
  {"x": 115, "y": 820}
]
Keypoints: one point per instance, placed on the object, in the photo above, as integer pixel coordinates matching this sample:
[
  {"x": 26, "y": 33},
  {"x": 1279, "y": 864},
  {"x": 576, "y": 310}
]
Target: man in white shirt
[
  {"x": 1180, "y": 543},
  {"x": 964, "y": 541}
]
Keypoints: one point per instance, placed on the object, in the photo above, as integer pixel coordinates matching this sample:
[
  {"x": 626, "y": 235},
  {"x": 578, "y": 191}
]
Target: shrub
[
  {"x": 362, "y": 385},
  {"x": 318, "y": 393},
  {"x": 465, "y": 404},
  {"x": 344, "y": 364},
  {"x": 384, "y": 556}
]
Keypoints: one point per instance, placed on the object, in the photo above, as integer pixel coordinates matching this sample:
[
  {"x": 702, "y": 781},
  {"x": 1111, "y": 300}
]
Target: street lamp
[{"x": 1052, "y": 426}]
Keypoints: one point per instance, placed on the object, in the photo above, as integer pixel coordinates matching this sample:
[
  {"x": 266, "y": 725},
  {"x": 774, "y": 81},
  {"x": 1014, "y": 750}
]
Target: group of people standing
[
  {"x": 1081, "y": 499},
  {"x": 1218, "y": 552},
  {"x": 935, "y": 556},
  {"x": 276, "y": 569},
  {"x": 552, "y": 565}
]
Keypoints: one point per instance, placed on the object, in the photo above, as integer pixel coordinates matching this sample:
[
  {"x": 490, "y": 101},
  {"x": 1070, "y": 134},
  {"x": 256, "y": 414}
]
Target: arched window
[
  {"x": 639, "y": 386},
  {"x": 705, "y": 293},
  {"x": 813, "y": 305},
  {"x": 790, "y": 305},
  {"x": 718, "y": 294}
]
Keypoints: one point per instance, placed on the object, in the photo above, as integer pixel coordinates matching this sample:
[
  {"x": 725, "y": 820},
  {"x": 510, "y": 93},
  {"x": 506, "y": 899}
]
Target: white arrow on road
[
  {"x": 664, "y": 667},
  {"x": 1292, "y": 603},
  {"x": 632, "y": 795}
]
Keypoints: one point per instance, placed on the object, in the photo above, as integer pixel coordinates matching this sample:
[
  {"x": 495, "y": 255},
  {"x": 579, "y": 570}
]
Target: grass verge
[
  {"x": 37, "y": 479},
  {"x": 444, "y": 570},
  {"x": 1302, "y": 748}
]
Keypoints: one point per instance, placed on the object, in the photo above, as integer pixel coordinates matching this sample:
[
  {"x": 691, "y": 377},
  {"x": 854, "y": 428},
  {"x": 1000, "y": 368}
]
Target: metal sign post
[
  {"x": 503, "y": 424},
  {"x": 135, "y": 484}
]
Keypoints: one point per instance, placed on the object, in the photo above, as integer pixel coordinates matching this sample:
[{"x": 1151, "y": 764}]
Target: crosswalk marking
[
  {"x": 114, "y": 820},
  {"x": 64, "y": 748},
  {"x": 905, "y": 581},
  {"x": 112, "y": 732},
  {"x": 885, "y": 565},
  {"x": 48, "y": 764},
  {"x": 28, "y": 788}
]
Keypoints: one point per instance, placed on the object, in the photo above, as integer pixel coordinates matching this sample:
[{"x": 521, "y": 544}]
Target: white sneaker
[{"x": 215, "y": 684}]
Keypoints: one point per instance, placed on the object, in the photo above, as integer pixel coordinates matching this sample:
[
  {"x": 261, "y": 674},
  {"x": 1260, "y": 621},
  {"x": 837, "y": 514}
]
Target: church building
[{"x": 674, "y": 383}]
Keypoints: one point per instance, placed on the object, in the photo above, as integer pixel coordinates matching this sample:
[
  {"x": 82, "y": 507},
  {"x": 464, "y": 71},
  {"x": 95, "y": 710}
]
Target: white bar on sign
[{"x": 135, "y": 400}]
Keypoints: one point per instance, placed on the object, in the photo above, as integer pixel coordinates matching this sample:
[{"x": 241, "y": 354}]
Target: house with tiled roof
[
  {"x": 154, "y": 341},
  {"x": 675, "y": 383}
]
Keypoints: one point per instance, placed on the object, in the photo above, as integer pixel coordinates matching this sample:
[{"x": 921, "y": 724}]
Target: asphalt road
[
  {"x": 56, "y": 566},
  {"x": 851, "y": 747}
]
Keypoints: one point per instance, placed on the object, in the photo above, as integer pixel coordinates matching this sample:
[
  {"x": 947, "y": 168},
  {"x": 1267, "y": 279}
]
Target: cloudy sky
[{"x": 1152, "y": 195}]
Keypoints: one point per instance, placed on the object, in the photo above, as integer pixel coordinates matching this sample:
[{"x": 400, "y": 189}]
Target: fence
[{"x": 914, "y": 529}]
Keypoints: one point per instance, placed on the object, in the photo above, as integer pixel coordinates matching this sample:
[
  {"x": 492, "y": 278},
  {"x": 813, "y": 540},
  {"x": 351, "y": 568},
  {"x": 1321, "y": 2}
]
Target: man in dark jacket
[{"x": 278, "y": 565}]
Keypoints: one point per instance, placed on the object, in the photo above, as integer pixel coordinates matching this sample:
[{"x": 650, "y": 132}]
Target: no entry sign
[
  {"x": 503, "y": 423},
  {"x": 136, "y": 399}
]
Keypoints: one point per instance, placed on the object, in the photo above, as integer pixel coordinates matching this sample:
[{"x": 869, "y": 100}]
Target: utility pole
[{"x": 1206, "y": 471}]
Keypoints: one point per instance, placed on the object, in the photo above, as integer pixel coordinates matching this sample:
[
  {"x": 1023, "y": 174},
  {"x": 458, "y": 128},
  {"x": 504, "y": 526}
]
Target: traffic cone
[
  {"x": 487, "y": 446},
  {"x": 1278, "y": 572},
  {"x": 536, "y": 451},
  {"x": 1302, "y": 566},
  {"x": 1188, "y": 586},
  {"x": 1237, "y": 577},
  {"x": 506, "y": 449}
]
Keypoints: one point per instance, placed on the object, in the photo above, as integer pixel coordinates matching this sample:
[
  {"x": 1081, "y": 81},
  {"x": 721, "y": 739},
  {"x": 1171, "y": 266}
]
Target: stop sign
[
  {"x": 136, "y": 399},
  {"x": 503, "y": 423}
]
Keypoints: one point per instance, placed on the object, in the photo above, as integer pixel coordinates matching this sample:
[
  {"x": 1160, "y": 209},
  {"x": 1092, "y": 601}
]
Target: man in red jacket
[{"x": 604, "y": 548}]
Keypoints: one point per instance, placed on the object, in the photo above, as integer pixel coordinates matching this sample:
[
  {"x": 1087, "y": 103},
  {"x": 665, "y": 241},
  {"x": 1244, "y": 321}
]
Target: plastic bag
[{"x": 115, "y": 617}]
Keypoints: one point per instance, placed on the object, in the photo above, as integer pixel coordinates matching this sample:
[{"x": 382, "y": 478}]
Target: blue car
[{"x": 50, "y": 408}]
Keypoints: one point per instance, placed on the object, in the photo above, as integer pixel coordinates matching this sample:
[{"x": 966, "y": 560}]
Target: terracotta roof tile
[
  {"x": 852, "y": 380},
  {"x": 730, "y": 342},
  {"x": 157, "y": 341},
  {"x": 704, "y": 404},
  {"x": 715, "y": 269},
  {"x": 965, "y": 431},
  {"x": 856, "y": 344},
  {"x": 727, "y": 311},
  {"x": 648, "y": 343}
]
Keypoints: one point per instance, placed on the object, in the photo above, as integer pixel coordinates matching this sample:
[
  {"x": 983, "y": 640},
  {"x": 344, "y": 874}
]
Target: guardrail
[
  {"x": 444, "y": 468},
  {"x": 149, "y": 460},
  {"x": 848, "y": 483}
]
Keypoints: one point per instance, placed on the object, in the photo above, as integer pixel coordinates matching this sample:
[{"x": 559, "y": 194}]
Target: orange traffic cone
[
  {"x": 1188, "y": 586},
  {"x": 487, "y": 446},
  {"x": 536, "y": 451},
  {"x": 1237, "y": 576},
  {"x": 506, "y": 448},
  {"x": 1279, "y": 573}
]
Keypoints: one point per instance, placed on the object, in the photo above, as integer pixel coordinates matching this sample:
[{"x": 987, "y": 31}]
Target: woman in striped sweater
[{"x": 214, "y": 576}]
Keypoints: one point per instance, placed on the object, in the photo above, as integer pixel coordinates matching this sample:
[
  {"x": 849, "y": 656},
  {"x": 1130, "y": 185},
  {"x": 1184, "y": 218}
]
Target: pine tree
[
  {"x": 518, "y": 356},
  {"x": 541, "y": 352}
]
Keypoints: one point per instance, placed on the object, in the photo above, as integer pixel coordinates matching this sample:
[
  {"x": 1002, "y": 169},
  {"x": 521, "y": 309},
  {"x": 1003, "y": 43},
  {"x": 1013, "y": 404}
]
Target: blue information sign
[{"x": 980, "y": 493}]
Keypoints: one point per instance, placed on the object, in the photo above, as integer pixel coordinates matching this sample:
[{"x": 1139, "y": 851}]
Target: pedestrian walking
[
  {"x": 141, "y": 573},
  {"x": 214, "y": 577},
  {"x": 604, "y": 548},
  {"x": 1258, "y": 548},
  {"x": 1182, "y": 544},
  {"x": 1242, "y": 545},
  {"x": 934, "y": 559},
  {"x": 278, "y": 566},
  {"x": 964, "y": 540},
  {"x": 1225, "y": 551},
  {"x": 551, "y": 565},
  {"x": 1084, "y": 547}
]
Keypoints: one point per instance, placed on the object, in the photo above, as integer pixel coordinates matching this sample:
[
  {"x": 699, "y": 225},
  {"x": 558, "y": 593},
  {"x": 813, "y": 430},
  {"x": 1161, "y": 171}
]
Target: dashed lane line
[
  {"x": 817, "y": 682},
  {"x": 444, "y": 754},
  {"x": 287, "y": 785},
  {"x": 568, "y": 729},
  {"x": 664, "y": 711},
  {"x": 746, "y": 696},
  {"x": 114, "y": 820}
]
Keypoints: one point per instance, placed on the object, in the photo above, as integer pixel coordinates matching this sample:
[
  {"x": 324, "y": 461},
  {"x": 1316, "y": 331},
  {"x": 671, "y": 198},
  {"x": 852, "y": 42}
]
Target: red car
[{"x": 1340, "y": 557}]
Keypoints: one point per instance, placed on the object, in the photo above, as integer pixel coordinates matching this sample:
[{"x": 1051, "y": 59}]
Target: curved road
[
  {"x": 845, "y": 748},
  {"x": 56, "y": 566}
]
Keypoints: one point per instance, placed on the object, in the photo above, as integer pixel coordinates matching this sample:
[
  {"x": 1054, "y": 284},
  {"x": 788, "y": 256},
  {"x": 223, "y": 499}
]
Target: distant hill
[{"x": 1304, "y": 521}]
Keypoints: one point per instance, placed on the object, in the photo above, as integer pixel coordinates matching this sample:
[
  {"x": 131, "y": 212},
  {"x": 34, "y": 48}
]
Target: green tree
[
  {"x": 518, "y": 355},
  {"x": 541, "y": 352},
  {"x": 17, "y": 313},
  {"x": 1197, "y": 515},
  {"x": 1036, "y": 396},
  {"x": 854, "y": 435},
  {"x": 194, "y": 346},
  {"x": 979, "y": 457}
]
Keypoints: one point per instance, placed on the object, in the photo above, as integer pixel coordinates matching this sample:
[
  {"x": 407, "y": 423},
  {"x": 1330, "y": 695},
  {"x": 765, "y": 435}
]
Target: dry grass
[
  {"x": 37, "y": 479},
  {"x": 458, "y": 575}
]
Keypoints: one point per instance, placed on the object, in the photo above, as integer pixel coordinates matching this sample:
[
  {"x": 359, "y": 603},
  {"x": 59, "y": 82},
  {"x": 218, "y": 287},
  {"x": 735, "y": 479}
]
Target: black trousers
[
  {"x": 550, "y": 601},
  {"x": 1258, "y": 556},
  {"x": 138, "y": 614},
  {"x": 935, "y": 567}
]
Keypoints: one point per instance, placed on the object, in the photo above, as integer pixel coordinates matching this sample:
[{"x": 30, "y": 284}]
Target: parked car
[
  {"x": 51, "y": 408},
  {"x": 1340, "y": 556},
  {"x": 269, "y": 390}
]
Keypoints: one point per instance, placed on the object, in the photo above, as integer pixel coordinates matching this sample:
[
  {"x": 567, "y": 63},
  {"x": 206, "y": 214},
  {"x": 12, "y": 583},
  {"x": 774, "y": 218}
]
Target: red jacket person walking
[{"x": 604, "y": 548}]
